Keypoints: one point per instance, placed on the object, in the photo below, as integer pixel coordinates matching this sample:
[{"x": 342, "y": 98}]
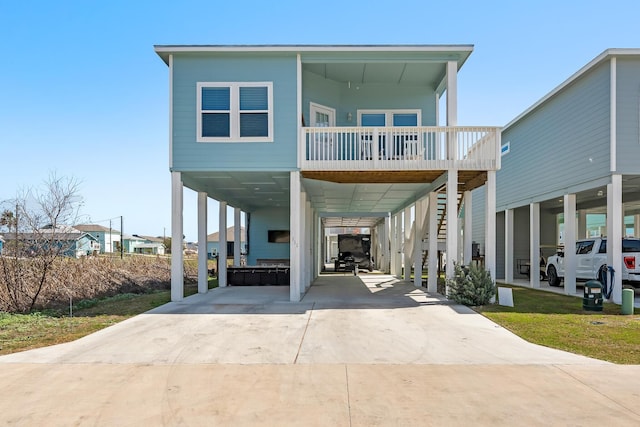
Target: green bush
[{"x": 471, "y": 286}]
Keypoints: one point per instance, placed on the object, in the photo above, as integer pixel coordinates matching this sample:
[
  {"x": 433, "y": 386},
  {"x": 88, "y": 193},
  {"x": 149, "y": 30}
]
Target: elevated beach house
[{"x": 301, "y": 138}]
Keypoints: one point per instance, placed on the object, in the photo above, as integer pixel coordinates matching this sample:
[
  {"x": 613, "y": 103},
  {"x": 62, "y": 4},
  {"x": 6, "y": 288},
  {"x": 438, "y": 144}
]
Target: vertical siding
[
  {"x": 628, "y": 115},
  {"x": 191, "y": 155},
  {"x": 563, "y": 142},
  {"x": 262, "y": 221}
]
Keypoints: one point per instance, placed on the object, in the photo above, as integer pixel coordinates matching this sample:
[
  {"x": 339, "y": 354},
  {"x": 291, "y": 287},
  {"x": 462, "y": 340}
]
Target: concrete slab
[{"x": 356, "y": 351}]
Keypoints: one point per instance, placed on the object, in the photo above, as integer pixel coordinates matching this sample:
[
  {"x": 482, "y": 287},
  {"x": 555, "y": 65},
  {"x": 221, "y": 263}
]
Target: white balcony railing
[{"x": 400, "y": 148}]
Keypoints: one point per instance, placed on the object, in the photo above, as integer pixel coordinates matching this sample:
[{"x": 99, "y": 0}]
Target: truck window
[
  {"x": 630, "y": 245},
  {"x": 603, "y": 247},
  {"x": 585, "y": 247}
]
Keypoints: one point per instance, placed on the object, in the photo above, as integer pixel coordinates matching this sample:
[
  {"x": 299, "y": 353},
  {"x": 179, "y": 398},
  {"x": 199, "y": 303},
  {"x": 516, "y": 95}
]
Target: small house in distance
[{"x": 213, "y": 242}]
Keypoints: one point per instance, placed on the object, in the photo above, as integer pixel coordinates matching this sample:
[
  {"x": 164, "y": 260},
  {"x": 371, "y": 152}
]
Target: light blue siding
[
  {"x": 562, "y": 143},
  {"x": 347, "y": 99},
  {"x": 628, "y": 115},
  {"x": 189, "y": 155},
  {"x": 260, "y": 223}
]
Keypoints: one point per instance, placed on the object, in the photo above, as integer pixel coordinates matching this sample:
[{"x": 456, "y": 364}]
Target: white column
[
  {"x": 452, "y": 93},
  {"x": 237, "y": 228},
  {"x": 508, "y": 245},
  {"x": 468, "y": 228},
  {"x": 614, "y": 234},
  {"x": 432, "y": 280},
  {"x": 534, "y": 244},
  {"x": 407, "y": 233},
  {"x": 394, "y": 247},
  {"x": 636, "y": 225},
  {"x": 452, "y": 222},
  {"x": 222, "y": 245},
  {"x": 177, "y": 255},
  {"x": 386, "y": 250},
  {"x": 582, "y": 225},
  {"x": 417, "y": 246},
  {"x": 570, "y": 260},
  {"x": 397, "y": 256},
  {"x": 203, "y": 272},
  {"x": 308, "y": 242},
  {"x": 490, "y": 229},
  {"x": 295, "y": 236}
]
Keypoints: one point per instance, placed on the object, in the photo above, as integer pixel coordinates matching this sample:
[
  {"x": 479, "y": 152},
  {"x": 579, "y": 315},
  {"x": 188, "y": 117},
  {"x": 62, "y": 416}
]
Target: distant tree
[{"x": 39, "y": 233}]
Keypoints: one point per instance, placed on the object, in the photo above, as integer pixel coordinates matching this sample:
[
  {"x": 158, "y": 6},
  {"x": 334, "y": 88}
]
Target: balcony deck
[{"x": 425, "y": 148}]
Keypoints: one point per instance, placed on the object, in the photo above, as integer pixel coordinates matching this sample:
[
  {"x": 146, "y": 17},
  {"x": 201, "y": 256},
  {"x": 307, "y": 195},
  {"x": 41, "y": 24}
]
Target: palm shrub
[{"x": 471, "y": 286}]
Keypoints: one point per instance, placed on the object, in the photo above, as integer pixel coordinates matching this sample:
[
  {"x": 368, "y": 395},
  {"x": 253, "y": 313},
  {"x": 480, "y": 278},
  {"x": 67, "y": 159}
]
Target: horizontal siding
[
  {"x": 628, "y": 115},
  {"x": 562, "y": 143},
  {"x": 189, "y": 155},
  {"x": 347, "y": 99},
  {"x": 261, "y": 222}
]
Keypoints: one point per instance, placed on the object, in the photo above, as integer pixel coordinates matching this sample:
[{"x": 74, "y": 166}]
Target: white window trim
[
  {"x": 389, "y": 115},
  {"x": 234, "y": 112}
]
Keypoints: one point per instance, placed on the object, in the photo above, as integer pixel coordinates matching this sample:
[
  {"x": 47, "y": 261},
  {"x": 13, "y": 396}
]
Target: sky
[{"x": 83, "y": 95}]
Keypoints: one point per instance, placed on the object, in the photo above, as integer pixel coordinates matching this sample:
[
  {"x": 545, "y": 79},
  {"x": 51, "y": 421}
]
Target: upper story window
[{"x": 238, "y": 111}]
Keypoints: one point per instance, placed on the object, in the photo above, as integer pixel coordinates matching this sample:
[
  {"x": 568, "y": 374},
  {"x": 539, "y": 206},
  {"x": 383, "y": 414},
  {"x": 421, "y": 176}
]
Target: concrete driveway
[{"x": 365, "y": 350}]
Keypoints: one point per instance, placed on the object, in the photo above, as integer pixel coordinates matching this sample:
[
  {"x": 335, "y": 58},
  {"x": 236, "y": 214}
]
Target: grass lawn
[
  {"x": 558, "y": 321},
  {"x": 19, "y": 332}
]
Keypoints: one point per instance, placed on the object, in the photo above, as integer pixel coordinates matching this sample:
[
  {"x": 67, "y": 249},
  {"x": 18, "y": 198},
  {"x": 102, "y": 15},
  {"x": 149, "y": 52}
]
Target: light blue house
[
  {"x": 108, "y": 237},
  {"x": 62, "y": 240},
  {"x": 569, "y": 160},
  {"x": 1, "y": 244},
  {"x": 301, "y": 138}
]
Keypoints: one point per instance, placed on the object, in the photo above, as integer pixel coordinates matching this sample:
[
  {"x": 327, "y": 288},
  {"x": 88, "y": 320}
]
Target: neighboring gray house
[
  {"x": 146, "y": 245},
  {"x": 567, "y": 161},
  {"x": 213, "y": 242}
]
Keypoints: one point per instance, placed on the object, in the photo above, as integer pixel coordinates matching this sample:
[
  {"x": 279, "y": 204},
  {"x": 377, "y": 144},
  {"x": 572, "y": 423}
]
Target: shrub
[{"x": 471, "y": 286}]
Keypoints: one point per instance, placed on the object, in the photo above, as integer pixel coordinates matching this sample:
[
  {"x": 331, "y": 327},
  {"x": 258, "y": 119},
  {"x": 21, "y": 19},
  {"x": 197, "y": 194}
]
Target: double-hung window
[{"x": 238, "y": 111}]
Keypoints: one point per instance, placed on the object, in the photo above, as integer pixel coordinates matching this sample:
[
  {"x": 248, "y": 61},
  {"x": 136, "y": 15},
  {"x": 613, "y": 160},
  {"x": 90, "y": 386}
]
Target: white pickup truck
[{"x": 591, "y": 255}]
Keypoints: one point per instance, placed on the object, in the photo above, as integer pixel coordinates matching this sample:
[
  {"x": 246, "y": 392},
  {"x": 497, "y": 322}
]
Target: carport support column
[
  {"x": 386, "y": 249},
  {"x": 203, "y": 272},
  {"x": 296, "y": 234},
  {"x": 177, "y": 255},
  {"x": 397, "y": 255},
  {"x": 417, "y": 245},
  {"x": 237, "y": 228},
  {"x": 468, "y": 227},
  {"x": 614, "y": 234},
  {"x": 570, "y": 260},
  {"x": 222, "y": 245},
  {"x": 636, "y": 225},
  {"x": 407, "y": 234},
  {"x": 490, "y": 228},
  {"x": 508, "y": 245},
  {"x": 432, "y": 279},
  {"x": 582, "y": 225},
  {"x": 452, "y": 221},
  {"x": 394, "y": 246},
  {"x": 534, "y": 244}
]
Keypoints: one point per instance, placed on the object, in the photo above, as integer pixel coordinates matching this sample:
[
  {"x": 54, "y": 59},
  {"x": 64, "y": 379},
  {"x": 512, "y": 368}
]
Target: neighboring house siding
[
  {"x": 628, "y": 115},
  {"x": 261, "y": 222},
  {"x": 189, "y": 155},
  {"x": 561, "y": 144}
]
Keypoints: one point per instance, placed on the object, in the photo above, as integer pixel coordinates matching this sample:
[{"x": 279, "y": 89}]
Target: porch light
[{"x": 349, "y": 116}]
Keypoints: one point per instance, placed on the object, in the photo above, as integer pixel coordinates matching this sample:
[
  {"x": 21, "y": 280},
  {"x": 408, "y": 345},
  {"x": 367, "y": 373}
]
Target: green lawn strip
[
  {"x": 19, "y": 332},
  {"x": 558, "y": 321}
]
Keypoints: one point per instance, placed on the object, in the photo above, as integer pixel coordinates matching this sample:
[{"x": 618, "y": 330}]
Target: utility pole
[{"x": 121, "y": 238}]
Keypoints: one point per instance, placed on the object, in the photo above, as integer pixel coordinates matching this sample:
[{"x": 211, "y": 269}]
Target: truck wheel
[{"x": 552, "y": 276}]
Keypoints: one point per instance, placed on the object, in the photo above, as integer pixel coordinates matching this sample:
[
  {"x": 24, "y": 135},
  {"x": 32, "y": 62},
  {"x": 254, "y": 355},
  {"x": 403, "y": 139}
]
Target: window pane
[
  {"x": 215, "y": 98},
  {"x": 215, "y": 124},
  {"x": 254, "y": 98},
  {"x": 254, "y": 124},
  {"x": 373, "y": 119},
  {"x": 405, "y": 120},
  {"x": 630, "y": 245}
]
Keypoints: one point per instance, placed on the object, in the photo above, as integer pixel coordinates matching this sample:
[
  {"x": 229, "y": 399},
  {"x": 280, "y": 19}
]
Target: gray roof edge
[{"x": 605, "y": 55}]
